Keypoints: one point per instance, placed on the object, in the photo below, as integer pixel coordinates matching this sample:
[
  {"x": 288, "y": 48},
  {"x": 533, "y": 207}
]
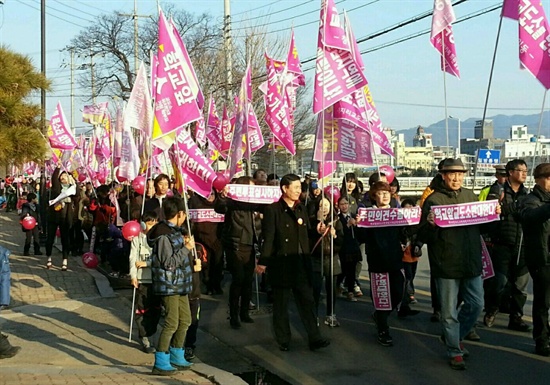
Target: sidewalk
[{"x": 73, "y": 328}]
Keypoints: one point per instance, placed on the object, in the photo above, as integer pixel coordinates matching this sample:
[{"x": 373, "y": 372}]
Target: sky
[{"x": 405, "y": 79}]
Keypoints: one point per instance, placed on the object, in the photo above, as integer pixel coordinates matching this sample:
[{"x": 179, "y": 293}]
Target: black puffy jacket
[
  {"x": 535, "y": 219},
  {"x": 240, "y": 225},
  {"x": 508, "y": 230}
]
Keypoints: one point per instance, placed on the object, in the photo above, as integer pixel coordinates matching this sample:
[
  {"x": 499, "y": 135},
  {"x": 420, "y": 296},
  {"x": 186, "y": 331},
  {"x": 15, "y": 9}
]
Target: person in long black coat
[{"x": 286, "y": 257}]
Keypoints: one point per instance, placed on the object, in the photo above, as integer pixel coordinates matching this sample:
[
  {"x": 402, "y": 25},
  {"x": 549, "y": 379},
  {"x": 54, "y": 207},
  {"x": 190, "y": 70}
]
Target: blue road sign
[{"x": 488, "y": 157}]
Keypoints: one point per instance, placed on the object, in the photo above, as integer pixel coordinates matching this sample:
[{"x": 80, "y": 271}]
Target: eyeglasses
[{"x": 521, "y": 171}]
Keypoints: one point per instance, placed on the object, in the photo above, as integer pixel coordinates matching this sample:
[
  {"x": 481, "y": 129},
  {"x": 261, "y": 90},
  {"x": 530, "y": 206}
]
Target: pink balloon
[
  {"x": 90, "y": 260},
  {"x": 58, "y": 232},
  {"x": 333, "y": 193},
  {"x": 130, "y": 230},
  {"x": 169, "y": 193},
  {"x": 28, "y": 222},
  {"x": 81, "y": 177},
  {"x": 388, "y": 171},
  {"x": 220, "y": 182},
  {"x": 101, "y": 179},
  {"x": 138, "y": 184}
]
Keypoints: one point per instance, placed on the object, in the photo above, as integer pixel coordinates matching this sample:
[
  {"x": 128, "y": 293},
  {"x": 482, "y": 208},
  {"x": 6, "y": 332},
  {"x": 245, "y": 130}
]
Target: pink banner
[
  {"x": 375, "y": 124},
  {"x": 59, "y": 133},
  {"x": 380, "y": 291},
  {"x": 190, "y": 69},
  {"x": 534, "y": 40},
  {"x": 293, "y": 64},
  {"x": 253, "y": 193},
  {"x": 488, "y": 270},
  {"x": 337, "y": 74},
  {"x": 277, "y": 112},
  {"x": 205, "y": 215},
  {"x": 465, "y": 214},
  {"x": 349, "y": 142},
  {"x": 129, "y": 161},
  {"x": 138, "y": 113},
  {"x": 94, "y": 114},
  {"x": 255, "y": 137},
  {"x": 193, "y": 163},
  {"x": 374, "y": 217},
  {"x": 200, "y": 131},
  {"x": 176, "y": 91},
  {"x": 326, "y": 169},
  {"x": 510, "y": 9},
  {"x": 442, "y": 36},
  {"x": 227, "y": 133},
  {"x": 213, "y": 125}
]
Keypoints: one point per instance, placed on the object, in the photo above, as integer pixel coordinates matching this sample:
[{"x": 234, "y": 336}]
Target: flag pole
[
  {"x": 443, "y": 58},
  {"x": 538, "y": 131},
  {"x": 487, "y": 97}
]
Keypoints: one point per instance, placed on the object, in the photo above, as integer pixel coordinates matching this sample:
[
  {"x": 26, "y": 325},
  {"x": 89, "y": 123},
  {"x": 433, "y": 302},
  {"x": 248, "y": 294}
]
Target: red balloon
[
  {"x": 58, "y": 232},
  {"x": 28, "y": 222},
  {"x": 332, "y": 192},
  {"x": 130, "y": 230},
  {"x": 101, "y": 179},
  {"x": 81, "y": 177},
  {"x": 90, "y": 260},
  {"x": 138, "y": 184},
  {"x": 388, "y": 171},
  {"x": 220, "y": 182}
]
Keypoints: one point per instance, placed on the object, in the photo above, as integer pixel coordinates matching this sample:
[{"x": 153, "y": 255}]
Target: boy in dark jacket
[
  {"x": 172, "y": 274},
  {"x": 30, "y": 208}
]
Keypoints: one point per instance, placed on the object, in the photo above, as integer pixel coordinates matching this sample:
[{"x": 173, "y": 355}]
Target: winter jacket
[
  {"x": 170, "y": 267},
  {"x": 66, "y": 213},
  {"x": 383, "y": 248},
  {"x": 140, "y": 251},
  {"x": 240, "y": 225},
  {"x": 349, "y": 250},
  {"x": 285, "y": 248},
  {"x": 29, "y": 209},
  {"x": 454, "y": 252},
  {"x": 207, "y": 233},
  {"x": 508, "y": 230},
  {"x": 535, "y": 219}
]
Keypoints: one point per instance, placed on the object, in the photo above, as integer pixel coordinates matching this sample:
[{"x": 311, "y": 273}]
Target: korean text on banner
[
  {"x": 59, "y": 133},
  {"x": 464, "y": 214},
  {"x": 442, "y": 37}
]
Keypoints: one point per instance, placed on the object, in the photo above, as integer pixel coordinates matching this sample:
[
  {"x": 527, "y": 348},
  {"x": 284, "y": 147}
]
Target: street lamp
[{"x": 458, "y": 145}]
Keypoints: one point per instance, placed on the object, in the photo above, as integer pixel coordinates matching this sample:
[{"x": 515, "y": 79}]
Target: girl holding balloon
[{"x": 29, "y": 222}]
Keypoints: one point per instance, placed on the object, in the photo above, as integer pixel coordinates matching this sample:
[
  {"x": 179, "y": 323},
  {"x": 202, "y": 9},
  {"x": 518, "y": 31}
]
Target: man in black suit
[{"x": 286, "y": 256}]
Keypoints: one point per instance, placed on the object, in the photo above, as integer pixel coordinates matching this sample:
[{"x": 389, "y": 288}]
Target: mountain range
[{"x": 501, "y": 123}]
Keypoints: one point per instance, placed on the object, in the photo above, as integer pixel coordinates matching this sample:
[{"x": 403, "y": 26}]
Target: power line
[
  {"x": 76, "y": 9},
  {"x": 289, "y": 18},
  {"x": 63, "y": 12},
  {"x": 89, "y": 6},
  {"x": 255, "y": 9},
  {"x": 279, "y": 11},
  {"x": 57, "y": 17}
]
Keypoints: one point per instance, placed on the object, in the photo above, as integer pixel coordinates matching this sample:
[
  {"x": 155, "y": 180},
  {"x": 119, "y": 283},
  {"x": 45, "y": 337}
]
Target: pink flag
[
  {"x": 342, "y": 141},
  {"x": 200, "y": 131},
  {"x": 534, "y": 40},
  {"x": 375, "y": 124},
  {"x": 326, "y": 169},
  {"x": 94, "y": 114},
  {"x": 139, "y": 113},
  {"x": 356, "y": 53},
  {"x": 442, "y": 36},
  {"x": 177, "y": 36},
  {"x": 118, "y": 133},
  {"x": 293, "y": 63},
  {"x": 59, "y": 133},
  {"x": 103, "y": 147},
  {"x": 337, "y": 74},
  {"x": 276, "y": 112},
  {"x": 176, "y": 91},
  {"x": 227, "y": 133},
  {"x": 193, "y": 163},
  {"x": 255, "y": 136},
  {"x": 129, "y": 161},
  {"x": 213, "y": 125},
  {"x": 510, "y": 9},
  {"x": 332, "y": 33}
]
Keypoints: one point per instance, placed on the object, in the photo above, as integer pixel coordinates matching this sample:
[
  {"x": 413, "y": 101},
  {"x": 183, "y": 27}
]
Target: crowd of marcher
[{"x": 305, "y": 242}]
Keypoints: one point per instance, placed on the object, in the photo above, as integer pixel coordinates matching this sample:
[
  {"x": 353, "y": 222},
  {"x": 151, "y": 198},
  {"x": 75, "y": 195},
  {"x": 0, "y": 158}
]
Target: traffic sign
[{"x": 488, "y": 158}]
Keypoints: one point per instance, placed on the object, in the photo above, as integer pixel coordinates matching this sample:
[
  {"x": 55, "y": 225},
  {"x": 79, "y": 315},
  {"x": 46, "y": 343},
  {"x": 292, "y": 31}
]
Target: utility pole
[
  {"x": 43, "y": 63},
  {"x": 227, "y": 47},
  {"x": 92, "y": 69},
  {"x": 135, "y": 16}
]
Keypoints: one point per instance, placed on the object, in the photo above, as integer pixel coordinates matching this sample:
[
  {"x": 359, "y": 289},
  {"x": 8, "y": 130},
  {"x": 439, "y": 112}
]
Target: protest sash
[
  {"x": 465, "y": 214},
  {"x": 380, "y": 288},
  {"x": 390, "y": 217},
  {"x": 205, "y": 215},
  {"x": 253, "y": 193}
]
